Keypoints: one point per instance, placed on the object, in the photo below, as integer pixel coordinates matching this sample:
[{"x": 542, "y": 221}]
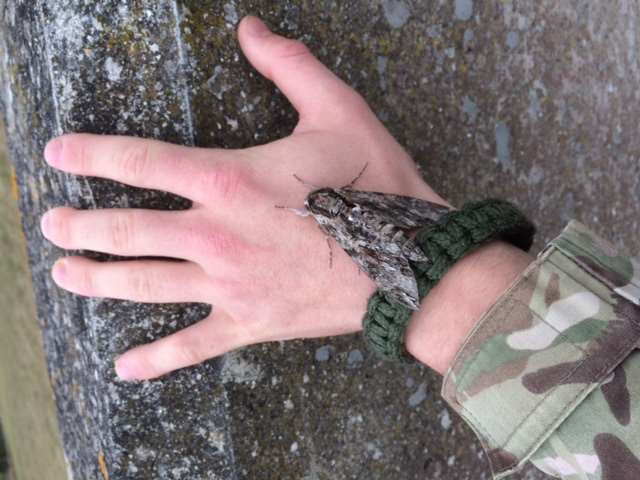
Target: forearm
[
  {"x": 454, "y": 306},
  {"x": 547, "y": 373}
]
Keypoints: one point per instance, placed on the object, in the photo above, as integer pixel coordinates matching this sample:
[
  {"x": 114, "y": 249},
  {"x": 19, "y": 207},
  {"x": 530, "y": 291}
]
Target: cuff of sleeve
[{"x": 562, "y": 327}]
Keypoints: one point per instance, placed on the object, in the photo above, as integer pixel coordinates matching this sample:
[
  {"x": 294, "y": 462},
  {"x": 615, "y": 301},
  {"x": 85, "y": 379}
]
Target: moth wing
[
  {"x": 391, "y": 273},
  {"x": 399, "y": 210},
  {"x": 373, "y": 238},
  {"x": 392, "y": 240},
  {"x": 379, "y": 253}
]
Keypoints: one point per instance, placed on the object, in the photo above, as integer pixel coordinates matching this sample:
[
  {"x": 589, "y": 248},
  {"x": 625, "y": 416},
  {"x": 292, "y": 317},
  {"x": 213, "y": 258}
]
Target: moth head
[{"x": 326, "y": 202}]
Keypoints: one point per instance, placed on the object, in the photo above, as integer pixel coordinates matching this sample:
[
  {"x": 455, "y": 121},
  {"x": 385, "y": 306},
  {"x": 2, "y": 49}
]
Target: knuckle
[
  {"x": 293, "y": 49},
  {"x": 224, "y": 181},
  {"x": 62, "y": 226},
  {"x": 187, "y": 354},
  {"x": 121, "y": 231},
  {"x": 240, "y": 285},
  {"x": 352, "y": 109},
  {"x": 83, "y": 154},
  {"x": 211, "y": 241},
  {"x": 86, "y": 281},
  {"x": 148, "y": 363},
  {"x": 251, "y": 285},
  {"x": 134, "y": 162},
  {"x": 232, "y": 290},
  {"x": 141, "y": 285}
]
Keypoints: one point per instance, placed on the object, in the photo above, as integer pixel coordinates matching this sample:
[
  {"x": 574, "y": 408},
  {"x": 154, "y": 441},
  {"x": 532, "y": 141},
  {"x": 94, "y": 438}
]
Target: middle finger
[{"x": 122, "y": 231}]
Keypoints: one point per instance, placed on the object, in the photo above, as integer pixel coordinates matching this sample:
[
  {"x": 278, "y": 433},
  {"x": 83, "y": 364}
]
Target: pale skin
[{"x": 265, "y": 270}]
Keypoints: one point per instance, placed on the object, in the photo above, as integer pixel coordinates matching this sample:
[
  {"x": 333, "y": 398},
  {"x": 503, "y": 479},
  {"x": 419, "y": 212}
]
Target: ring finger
[{"x": 150, "y": 281}]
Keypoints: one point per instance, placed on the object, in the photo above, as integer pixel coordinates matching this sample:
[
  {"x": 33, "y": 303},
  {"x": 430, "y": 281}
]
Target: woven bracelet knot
[{"x": 456, "y": 234}]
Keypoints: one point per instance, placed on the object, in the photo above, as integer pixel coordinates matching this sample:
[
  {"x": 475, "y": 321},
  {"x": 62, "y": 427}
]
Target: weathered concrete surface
[
  {"x": 27, "y": 409},
  {"x": 4, "y": 457},
  {"x": 531, "y": 101}
]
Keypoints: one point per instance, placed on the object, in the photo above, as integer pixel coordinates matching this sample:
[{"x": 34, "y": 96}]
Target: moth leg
[
  {"x": 306, "y": 184},
  {"x": 301, "y": 212},
  {"x": 330, "y": 252},
  {"x": 353, "y": 182}
]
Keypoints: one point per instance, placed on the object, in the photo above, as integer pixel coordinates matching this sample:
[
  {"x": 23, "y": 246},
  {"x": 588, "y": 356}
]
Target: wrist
[{"x": 449, "y": 312}]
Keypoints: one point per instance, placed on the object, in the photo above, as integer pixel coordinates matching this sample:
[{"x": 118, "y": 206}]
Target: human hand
[{"x": 265, "y": 270}]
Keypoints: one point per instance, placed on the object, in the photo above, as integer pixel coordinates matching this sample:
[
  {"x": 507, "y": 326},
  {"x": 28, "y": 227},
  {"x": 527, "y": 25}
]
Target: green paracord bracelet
[{"x": 455, "y": 235}]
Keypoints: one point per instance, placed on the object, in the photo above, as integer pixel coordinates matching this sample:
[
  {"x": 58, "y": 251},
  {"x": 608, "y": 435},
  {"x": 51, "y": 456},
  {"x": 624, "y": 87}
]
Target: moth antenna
[
  {"x": 301, "y": 212},
  {"x": 353, "y": 182},
  {"x": 306, "y": 184}
]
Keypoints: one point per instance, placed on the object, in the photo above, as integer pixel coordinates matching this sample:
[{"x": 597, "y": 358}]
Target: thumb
[{"x": 319, "y": 96}]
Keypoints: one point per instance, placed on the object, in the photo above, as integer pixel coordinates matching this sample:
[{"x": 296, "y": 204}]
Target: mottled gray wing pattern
[
  {"x": 392, "y": 274},
  {"x": 398, "y": 210},
  {"x": 382, "y": 236},
  {"x": 382, "y": 251}
]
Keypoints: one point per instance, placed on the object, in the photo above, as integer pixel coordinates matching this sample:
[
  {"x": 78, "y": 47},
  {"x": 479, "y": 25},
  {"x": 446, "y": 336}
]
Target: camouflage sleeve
[{"x": 551, "y": 373}]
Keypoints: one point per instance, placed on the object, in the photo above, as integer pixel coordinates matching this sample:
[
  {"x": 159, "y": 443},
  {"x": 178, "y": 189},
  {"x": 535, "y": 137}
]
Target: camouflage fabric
[{"x": 550, "y": 373}]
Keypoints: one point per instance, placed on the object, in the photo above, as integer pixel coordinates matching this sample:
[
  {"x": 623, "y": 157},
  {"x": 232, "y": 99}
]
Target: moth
[{"x": 372, "y": 228}]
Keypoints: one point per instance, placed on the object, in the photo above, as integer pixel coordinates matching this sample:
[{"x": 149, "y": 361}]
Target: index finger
[{"x": 194, "y": 173}]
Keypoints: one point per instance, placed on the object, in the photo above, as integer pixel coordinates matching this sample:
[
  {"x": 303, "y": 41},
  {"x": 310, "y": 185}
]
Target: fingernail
[
  {"x": 53, "y": 151},
  {"x": 59, "y": 270},
  {"x": 45, "y": 224},
  {"x": 124, "y": 368},
  {"x": 257, "y": 27}
]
